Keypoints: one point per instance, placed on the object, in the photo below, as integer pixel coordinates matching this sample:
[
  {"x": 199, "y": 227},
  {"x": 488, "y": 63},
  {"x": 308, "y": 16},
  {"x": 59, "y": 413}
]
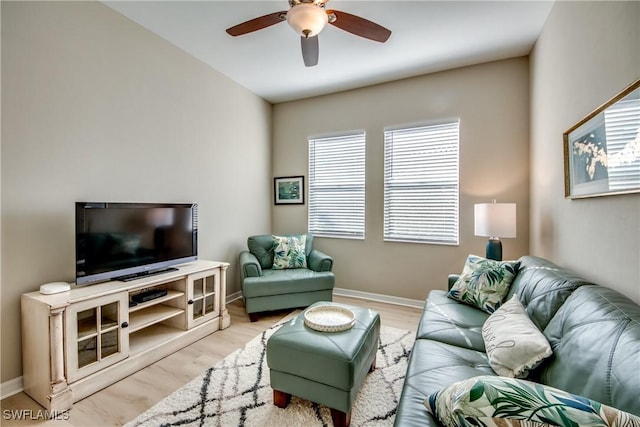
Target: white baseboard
[
  {"x": 11, "y": 387},
  {"x": 234, "y": 296},
  {"x": 379, "y": 297},
  {"x": 358, "y": 294}
]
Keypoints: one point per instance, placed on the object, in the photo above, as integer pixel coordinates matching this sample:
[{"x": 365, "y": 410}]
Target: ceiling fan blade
[
  {"x": 359, "y": 26},
  {"x": 257, "y": 23},
  {"x": 310, "y": 50}
]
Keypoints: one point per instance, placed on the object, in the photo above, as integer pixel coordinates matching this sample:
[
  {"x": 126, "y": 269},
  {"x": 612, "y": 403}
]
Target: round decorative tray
[{"x": 329, "y": 318}]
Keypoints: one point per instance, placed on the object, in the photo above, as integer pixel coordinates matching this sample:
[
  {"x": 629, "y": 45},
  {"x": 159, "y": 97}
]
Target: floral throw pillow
[
  {"x": 498, "y": 401},
  {"x": 484, "y": 282},
  {"x": 289, "y": 252}
]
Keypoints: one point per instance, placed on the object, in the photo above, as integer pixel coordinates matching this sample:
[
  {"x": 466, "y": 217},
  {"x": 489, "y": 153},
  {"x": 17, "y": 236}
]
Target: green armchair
[{"x": 266, "y": 289}]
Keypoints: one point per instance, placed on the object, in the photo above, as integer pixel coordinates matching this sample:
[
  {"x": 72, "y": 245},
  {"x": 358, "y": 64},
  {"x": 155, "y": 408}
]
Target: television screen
[{"x": 119, "y": 241}]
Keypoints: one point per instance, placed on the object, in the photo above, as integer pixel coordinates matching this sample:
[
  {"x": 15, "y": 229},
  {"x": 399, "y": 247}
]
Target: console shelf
[
  {"x": 77, "y": 342},
  {"x": 146, "y": 339},
  {"x": 150, "y": 316},
  {"x": 142, "y": 305}
]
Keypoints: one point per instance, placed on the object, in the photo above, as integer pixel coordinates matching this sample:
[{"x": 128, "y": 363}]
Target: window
[
  {"x": 421, "y": 183},
  {"x": 336, "y": 185}
]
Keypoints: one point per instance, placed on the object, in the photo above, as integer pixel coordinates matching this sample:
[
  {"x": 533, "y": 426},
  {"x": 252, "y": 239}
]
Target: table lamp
[{"x": 495, "y": 220}]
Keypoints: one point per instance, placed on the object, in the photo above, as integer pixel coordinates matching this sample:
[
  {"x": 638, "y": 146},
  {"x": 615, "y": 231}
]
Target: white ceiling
[{"x": 427, "y": 36}]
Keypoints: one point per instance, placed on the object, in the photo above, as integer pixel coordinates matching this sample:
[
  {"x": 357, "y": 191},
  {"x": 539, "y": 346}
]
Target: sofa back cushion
[
  {"x": 262, "y": 247},
  {"x": 595, "y": 337},
  {"x": 542, "y": 287}
]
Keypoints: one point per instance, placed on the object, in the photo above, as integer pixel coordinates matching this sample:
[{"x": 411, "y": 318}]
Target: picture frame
[
  {"x": 602, "y": 151},
  {"x": 288, "y": 190}
]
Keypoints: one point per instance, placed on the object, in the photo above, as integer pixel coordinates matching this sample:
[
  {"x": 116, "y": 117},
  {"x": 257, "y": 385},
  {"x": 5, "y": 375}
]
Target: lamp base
[{"x": 494, "y": 249}]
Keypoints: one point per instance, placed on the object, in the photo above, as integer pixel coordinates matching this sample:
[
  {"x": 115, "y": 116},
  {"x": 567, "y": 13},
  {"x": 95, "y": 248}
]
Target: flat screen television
[{"x": 123, "y": 241}]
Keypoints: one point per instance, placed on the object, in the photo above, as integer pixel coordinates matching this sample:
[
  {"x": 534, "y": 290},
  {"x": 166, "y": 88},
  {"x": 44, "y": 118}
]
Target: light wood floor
[{"x": 124, "y": 400}]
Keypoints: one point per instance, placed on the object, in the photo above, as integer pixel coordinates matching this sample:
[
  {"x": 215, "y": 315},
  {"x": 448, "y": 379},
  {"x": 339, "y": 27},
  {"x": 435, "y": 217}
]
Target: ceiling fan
[{"x": 308, "y": 18}]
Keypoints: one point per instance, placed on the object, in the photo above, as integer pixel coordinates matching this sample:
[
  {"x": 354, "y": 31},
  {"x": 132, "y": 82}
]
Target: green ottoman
[{"x": 324, "y": 367}]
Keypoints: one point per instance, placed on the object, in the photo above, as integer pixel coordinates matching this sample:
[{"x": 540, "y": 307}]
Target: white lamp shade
[
  {"x": 495, "y": 219},
  {"x": 307, "y": 19}
]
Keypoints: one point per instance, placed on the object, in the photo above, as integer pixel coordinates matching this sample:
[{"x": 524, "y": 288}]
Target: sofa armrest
[
  {"x": 249, "y": 265},
  {"x": 451, "y": 280},
  {"x": 319, "y": 261}
]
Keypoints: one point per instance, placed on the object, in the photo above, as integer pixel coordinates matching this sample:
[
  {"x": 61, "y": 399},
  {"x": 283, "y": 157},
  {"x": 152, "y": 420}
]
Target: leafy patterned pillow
[
  {"x": 514, "y": 344},
  {"x": 498, "y": 401},
  {"x": 484, "y": 282},
  {"x": 288, "y": 252}
]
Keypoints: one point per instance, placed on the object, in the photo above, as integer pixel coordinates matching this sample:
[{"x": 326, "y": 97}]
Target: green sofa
[
  {"x": 265, "y": 289},
  {"x": 594, "y": 333}
]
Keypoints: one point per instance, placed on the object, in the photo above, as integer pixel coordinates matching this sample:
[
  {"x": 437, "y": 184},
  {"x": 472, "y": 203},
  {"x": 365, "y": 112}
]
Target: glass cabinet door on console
[
  {"x": 96, "y": 334},
  {"x": 204, "y": 297}
]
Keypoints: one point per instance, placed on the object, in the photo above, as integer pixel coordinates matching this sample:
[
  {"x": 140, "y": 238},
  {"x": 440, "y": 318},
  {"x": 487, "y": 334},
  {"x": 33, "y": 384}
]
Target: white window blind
[
  {"x": 337, "y": 186},
  {"x": 421, "y": 183}
]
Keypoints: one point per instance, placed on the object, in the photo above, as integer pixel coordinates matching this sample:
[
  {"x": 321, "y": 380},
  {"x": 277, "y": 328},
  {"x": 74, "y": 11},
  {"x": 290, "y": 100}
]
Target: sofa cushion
[
  {"x": 432, "y": 366},
  {"x": 288, "y": 252},
  {"x": 262, "y": 247},
  {"x": 514, "y": 344},
  {"x": 484, "y": 282},
  {"x": 280, "y": 282},
  {"x": 595, "y": 337},
  {"x": 496, "y": 401},
  {"x": 542, "y": 287},
  {"x": 446, "y": 320}
]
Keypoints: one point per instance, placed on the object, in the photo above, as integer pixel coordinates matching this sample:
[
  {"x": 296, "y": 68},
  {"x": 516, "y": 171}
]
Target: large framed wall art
[{"x": 602, "y": 151}]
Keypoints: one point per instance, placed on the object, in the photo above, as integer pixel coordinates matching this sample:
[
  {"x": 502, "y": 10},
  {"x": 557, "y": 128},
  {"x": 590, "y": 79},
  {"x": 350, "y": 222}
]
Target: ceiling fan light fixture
[{"x": 307, "y": 19}]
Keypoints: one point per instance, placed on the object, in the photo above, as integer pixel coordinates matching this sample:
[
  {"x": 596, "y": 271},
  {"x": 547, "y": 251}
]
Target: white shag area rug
[{"x": 236, "y": 392}]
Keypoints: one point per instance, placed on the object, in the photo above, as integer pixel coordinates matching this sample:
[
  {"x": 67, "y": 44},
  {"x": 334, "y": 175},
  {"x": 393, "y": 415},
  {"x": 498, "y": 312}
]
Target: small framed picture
[{"x": 288, "y": 190}]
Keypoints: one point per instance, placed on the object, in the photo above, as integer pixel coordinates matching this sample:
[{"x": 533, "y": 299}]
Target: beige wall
[
  {"x": 97, "y": 108},
  {"x": 587, "y": 53},
  {"x": 492, "y": 101}
]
